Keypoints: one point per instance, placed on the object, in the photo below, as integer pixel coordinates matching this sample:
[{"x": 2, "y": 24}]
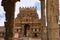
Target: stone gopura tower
[{"x": 27, "y": 23}]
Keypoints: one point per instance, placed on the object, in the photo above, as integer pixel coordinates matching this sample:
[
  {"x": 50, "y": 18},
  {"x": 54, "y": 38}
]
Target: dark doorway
[
  {"x": 35, "y": 35},
  {"x": 26, "y": 27}
]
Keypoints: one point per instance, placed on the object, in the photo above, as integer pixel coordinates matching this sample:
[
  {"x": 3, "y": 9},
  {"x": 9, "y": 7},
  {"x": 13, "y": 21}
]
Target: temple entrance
[
  {"x": 26, "y": 27},
  {"x": 35, "y": 35}
]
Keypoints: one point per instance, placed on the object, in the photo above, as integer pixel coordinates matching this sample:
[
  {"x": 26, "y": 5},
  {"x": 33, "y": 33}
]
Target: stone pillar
[
  {"x": 43, "y": 35},
  {"x": 9, "y": 8},
  {"x": 52, "y": 19}
]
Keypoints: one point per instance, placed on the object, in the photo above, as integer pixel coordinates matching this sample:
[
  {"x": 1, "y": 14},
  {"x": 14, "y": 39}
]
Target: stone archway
[{"x": 9, "y": 7}]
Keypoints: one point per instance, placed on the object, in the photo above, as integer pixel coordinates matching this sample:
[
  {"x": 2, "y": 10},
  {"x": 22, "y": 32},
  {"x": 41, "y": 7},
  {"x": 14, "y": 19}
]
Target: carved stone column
[
  {"x": 43, "y": 35},
  {"x": 52, "y": 19},
  {"x": 9, "y": 7}
]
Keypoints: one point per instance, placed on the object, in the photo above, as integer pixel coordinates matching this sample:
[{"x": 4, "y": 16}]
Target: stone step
[
  {"x": 24, "y": 38},
  {"x": 27, "y": 38}
]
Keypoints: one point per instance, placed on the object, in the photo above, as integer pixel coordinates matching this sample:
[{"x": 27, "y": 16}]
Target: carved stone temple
[{"x": 27, "y": 23}]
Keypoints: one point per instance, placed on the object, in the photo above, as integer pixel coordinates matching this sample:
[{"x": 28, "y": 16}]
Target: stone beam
[{"x": 9, "y": 8}]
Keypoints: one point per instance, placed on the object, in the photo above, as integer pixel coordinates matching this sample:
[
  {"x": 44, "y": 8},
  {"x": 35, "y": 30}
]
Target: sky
[
  {"x": 22, "y": 3},
  {"x": 2, "y": 15}
]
